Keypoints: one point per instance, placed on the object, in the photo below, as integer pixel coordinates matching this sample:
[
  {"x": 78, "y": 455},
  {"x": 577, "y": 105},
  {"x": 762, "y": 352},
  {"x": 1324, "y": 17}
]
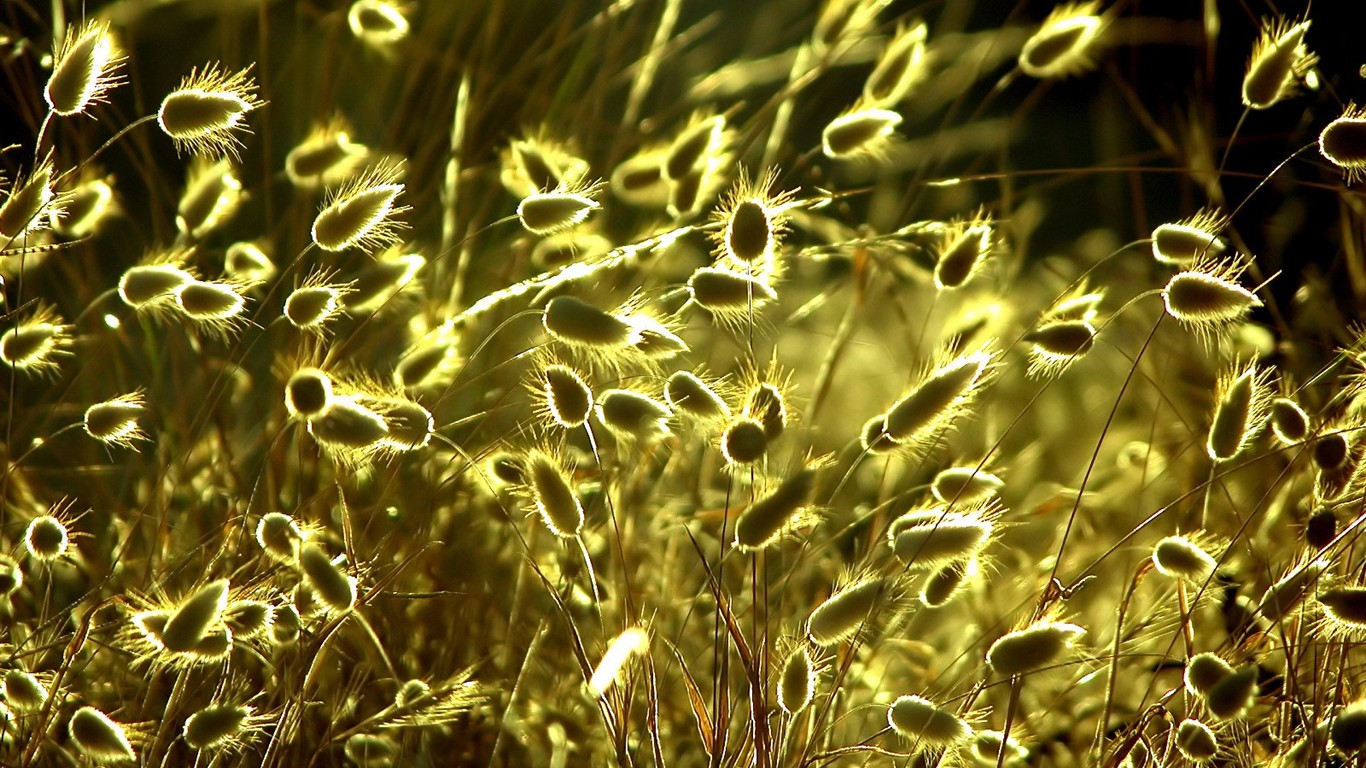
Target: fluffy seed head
[
  {"x": 1278, "y": 61},
  {"x": 1348, "y": 731},
  {"x": 767, "y": 405},
  {"x": 1343, "y": 143},
  {"x": 347, "y": 426},
  {"x": 687, "y": 394},
  {"x": 211, "y": 196},
  {"x": 1204, "y": 671},
  {"x": 151, "y": 285},
  {"x": 1064, "y": 44},
  {"x": 325, "y": 579},
  {"x": 943, "y": 584},
  {"x": 578, "y": 324},
  {"x": 841, "y": 615},
  {"x": 1184, "y": 242},
  {"x": 920, "y": 720},
  {"x": 87, "y": 207},
  {"x": 376, "y": 22},
  {"x": 694, "y": 147},
  {"x": 987, "y": 747},
  {"x": 375, "y": 286},
  {"x": 1206, "y": 296},
  {"x": 1178, "y": 557},
  {"x": 1243, "y": 400},
  {"x": 216, "y": 725},
  {"x": 195, "y": 617},
  {"x": 206, "y": 112},
  {"x": 24, "y": 692},
  {"x": 763, "y": 522},
  {"x": 631, "y": 415},
  {"x": 728, "y": 295},
  {"x": 1036, "y": 646},
  {"x": 326, "y": 156},
  {"x": 115, "y": 421},
  {"x": 965, "y": 485},
  {"x": 308, "y": 393},
  {"x": 632, "y": 642},
  {"x": 900, "y": 67},
  {"x": 409, "y": 424},
  {"x": 370, "y": 751},
  {"x": 83, "y": 69},
  {"x": 98, "y": 737},
  {"x": 1055, "y": 345},
  {"x": 248, "y": 618},
  {"x": 539, "y": 164},
  {"x": 11, "y": 577},
  {"x": 1346, "y": 608},
  {"x": 279, "y": 536},
  {"x": 209, "y": 302},
  {"x": 1288, "y": 421},
  {"x": 1232, "y": 696},
  {"x": 743, "y": 441},
  {"x": 46, "y": 538},
  {"x": 546, "y": 213},
  {"x": 568, "y": 398},
  {"x": 858, "y": 133},
  {"x": 961, "y": 254},
  {"x": 309, "y": 307},
  {"x": 35, "y": 345},
  {"x": 284, "y": 630},
  {"x": 933, "y": 538},
  {"x": 873, "y": 436},
  {"x": 1196, "y": 741},
  {"x": 362, "y": 213},
  {"x": 553, "y": 495},
  {"x": 247, "y": 262},
  {"x": 30, "y": 204},
  {"x": 1331, "y": 451},
  {"x": 797, "y": 681},
  {"x": 937, "y": 400}
]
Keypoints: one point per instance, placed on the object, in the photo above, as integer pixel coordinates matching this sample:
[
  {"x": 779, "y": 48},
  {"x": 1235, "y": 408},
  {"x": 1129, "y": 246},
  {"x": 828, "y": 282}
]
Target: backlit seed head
[
  {"x": 310, "y": 306},
  {"x": 581, "y": 325},
  {"x": 1038, "y": 645},
  {"x": 873, "y": 436},
  {"x": 279, "y": 536},
  {"x": 743, "y": 441},
  {"x": 1179, "y": 557},
  {"x": 730, "y": 297},
  {"x": 934, "y": 538},
  {"x": 46, "y": 538},
  {"x": 1055, "y": 345},
  {"x": 194, "y": 618},
  {"x": 987, "y": 747},
  {"x": 115, "y": 421},
  {"x": 247, "y": 262},
  {"x": 212, "y": 194},
  {"x": 848, "y": 610},
  {"x": 150, "y": 625},
  {"x": 206, "y": 112},
  {"x": 944, "y": 584},
  {"x": 327, "y": 156},
  {"x": 23, "y": 691},
  {"x": 1233, "y": 695},
  {"x": 308, "y": 393},
  {"x": 632, "y": 415},
  {"x": 348, "y": 428},
  {"x": 1279, "y": 60},
  {"x": 639, "y": 180},
  {"x": 410, "y": 425},
  {"x": 797, "y": 680},
  {"x": 1288, "y": 421},
  {"x": 98, "y": 737},
  {"x": 688, "y": 395},
  {"x": 1348, "y": 731},
  {"x": 548, "y": 483},
  {"x": 779, "y": 510},
  {"x": 29, "y": 204},
  {"x": 36, "y": 344},
  {"x": 962, "y": 252},
  {"x": 429, "y": 362},
  {"x": 11, "y": 577},
  {"x": 84, "y": 69},
  {"x": 1207, "y": 297},
  {"x": 566, "y": 397},
  {"x": 653, "y": 339},
  {"x": 152, "y": 286},
  {"x": 1343, "y": 143},
  {"x": 965, "y": 485},
  {"x": 1331, "y": 450},
  {"x": 899, "y": 69},
  {"x": 377, "y": 22},
  {"x": 634, "y": 641},
  {"x": 1065, "y": 43},
  {"x": 571, "y": 247},
  {"x": 1204, "y": 671},
  {"x": 370, "y": 751},
  {"x": 557, "y": 210},
  {"x": 332, "y": 586},
  {"x": 1283, "y": 597},
  {"x": 216, "y": 726},
  {"x": 1196, "y": 741},
  {"x": 1345, "y": 610},
  {"x": 247, "y": 619},
  {"x": 1183, "y": 243},
  {"x": 923, "y": 722},
  {"x": 362, "y": 212},
  {"x": 938, "y": 399},
  {"x": 376, "y": 286},
  {"x": 753, "y": 220},
  {"x": 507, "y": 468},
  {"x": 861, "y": 132},
  {"x": 692, "y": 149},
  {"x": 1242, "y": 403},
  {"x": 215, "y": 306},
  {"x": 285, "y": 629},
  {"x": 412, "y": 693},
  {"x": 539, "y": 164},
  {"x": 88, "y": 206},
  {"x": 766, "y": 404}
]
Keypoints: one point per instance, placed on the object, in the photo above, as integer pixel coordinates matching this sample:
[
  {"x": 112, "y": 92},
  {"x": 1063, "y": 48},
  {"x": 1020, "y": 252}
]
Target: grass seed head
[
  {"x": 1196, "y": 741},
  {"x": 194, "y": 618},
  {"x": 1184, "y": 242},
  {"x": 1179, "y": 557},
  {"x": 409, "y": 424},
  {"x": 212, "y": 194},
  {"x": 1203, "y": 672},
  {"x": 987, "y": 747},
  {"x": 375, "y": 286},
  {"x": 216, "y": 726},
  {"x": 362, "y": 212},
  {"x": 23, "y": 691},
  {"x": 842, "y": 614},
  {"x": 687, "y": 394},
  {"x": 1345, "y": 610},
  {"x": 567, "y": 397},
  {"x": 558, "y": 210},
  {"x": 46, "y": 538},
  {"x": 99, "y": 738},
  {"x": 1055, "y": 345},
  {"x": 248, "y": 262},
  {"x": 30, "y": 204},
  {"x": 284, "y": 630},
  {"x": 743, "y": 441},
  {"x": 728, "y": 295},
  {"x": 325, "y": 579},
  {"x": 860, "y": 132},
  {"x": 1343, "y": 143},
  {"x": 366, "y": 750},
  {"x": 752, "y": 220},
  {"x": 1036, "y": 646},
  {"x": 944, "y": 393},
  {"x": 1281, "y": 598},
  {"x": 213, "y": 305},
  {"x": 308, "y": 393},
  {"x": 900, "y": 68},
  {"x": 632, "y": 415},
  {"x": 1288, "y": 421},
  {"x": 1232, "y": 696},
  {"x": 965, "y": 485},
  {"x": 88, "y": 206},
  {"x": 347, "y": 427},
  {"x": 11, "y": 576},
  {"x": 540, "y": 164},
  {"x": 797, "y": 680},
  {"x": 152, "y": 285},
  {"x": 930, "y": 540},
  {"x": 762, "y": 523},
  {"x": 309, "y": 307},
  {"x": 923, "y": 722},
  {"x": 961, "y": 254},
  {"x": 1207, "y": 297},
  {"x": 553, "y": 494},
  {"x": 247, "y": 619},
  {"x": 37, "y": 344},
  {"x": 1348, "y": 731},
  {"x": 1242, "y": 403},
  {"x": 1064, "y": 44},
  {"x": 115, "y": 421},
  {"x": 206, "y": 112},
  {"x": 1279, "y": 60},
  {"x": 327, "y": 156},
  {"x": 279, "y": 536},
  {"x": 767, "y": 405},
  {"x": 84, "y": 69},
  {"x": 377, "y": 22},
  {"x": 581, "y": 325},
  {"x": 873, "y": 437},
  {"x": 943, "y": 585},
  {"x": 1331, "y": 451},
  {"x": 694, "y": 147},
  {"x": 634, "y": 641}
]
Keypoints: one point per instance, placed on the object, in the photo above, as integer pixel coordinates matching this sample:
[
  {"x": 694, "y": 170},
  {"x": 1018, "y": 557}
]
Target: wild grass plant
[{"x": 679, "y": 383}]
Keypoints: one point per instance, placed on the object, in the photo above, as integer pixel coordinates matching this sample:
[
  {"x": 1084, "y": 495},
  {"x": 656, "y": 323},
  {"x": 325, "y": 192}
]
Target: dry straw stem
[
  {"x": 29, "y": 205},
  {"x": 206, "y": 112},
  {"x": 922, "y": 722},
  {"x": 547, "y": 482},
  {"x": 781, "y": 509},
  {"x": 1279, "y": 60},
  {"x": 1065, "y": 43},
  {"x": 362, "y": 213},
  {"x": 939, "y": 398},
  {"x": 860, "y": 132},
  {"x": 115, "y": 421},
  {"x": 36, "y": 344},
  {"x": 899, "y": 69},
  {"x": 1195, "y": 237},
  {"x": 98, "y": 737},
  {"x": 84, "y": 69},
  {"x": 634, "y": 641},
  {"x": 1242, "y": 404},
  {"x": 1343, "y": 143},
  {"x": 1041, "y": 644}
]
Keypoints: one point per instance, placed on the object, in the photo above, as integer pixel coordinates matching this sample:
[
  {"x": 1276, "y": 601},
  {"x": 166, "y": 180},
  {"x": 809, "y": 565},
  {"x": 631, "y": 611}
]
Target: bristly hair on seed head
[
  {"x": 1065, "y": 43},
  {"x": 326, "y": 157},
  {"x": 361, "y": 213},
  {"x": 84, "y": 69},
  {"x": 36, "y": 345},
  {"x": 752, "y": 220},
  {"x": 1343, "y": 143},
  {"x": 1278, "y": 62},
  {"x": 206, "y": 112},
  {"x": 1207, "y": 298},
  {"x": 1195, "y": 237}
]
